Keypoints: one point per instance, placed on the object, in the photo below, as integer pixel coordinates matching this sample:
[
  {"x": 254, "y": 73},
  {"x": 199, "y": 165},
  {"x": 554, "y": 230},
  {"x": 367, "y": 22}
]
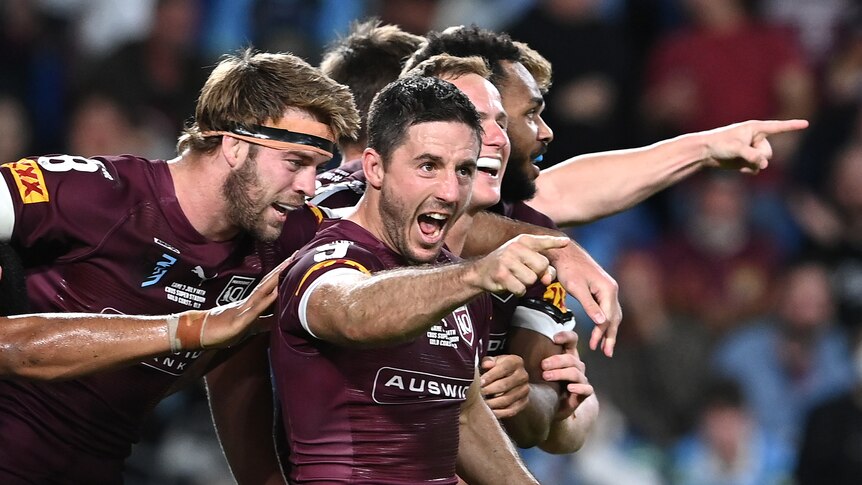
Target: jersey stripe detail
[{"x": 303, "y": 302}]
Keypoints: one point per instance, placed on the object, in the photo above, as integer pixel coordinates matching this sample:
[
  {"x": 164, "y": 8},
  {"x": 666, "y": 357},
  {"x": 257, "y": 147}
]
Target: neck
[
  {"x": 198, "y": 183},
  {"x": 352, "y": 151},
  {"x": 364, "y": 215}
]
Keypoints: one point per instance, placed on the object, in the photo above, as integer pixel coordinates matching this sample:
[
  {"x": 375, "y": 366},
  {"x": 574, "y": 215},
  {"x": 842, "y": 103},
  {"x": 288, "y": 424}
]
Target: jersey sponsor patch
[
  {"x": 404, "y": 386},
  {"x": 30, "y": 181}
]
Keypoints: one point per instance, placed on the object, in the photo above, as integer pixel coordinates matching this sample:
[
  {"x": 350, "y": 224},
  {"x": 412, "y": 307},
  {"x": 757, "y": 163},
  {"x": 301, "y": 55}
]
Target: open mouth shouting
[{"x": 432, "y": 225}]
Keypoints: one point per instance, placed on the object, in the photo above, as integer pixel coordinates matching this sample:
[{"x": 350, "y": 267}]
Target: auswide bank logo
[{"x": 402, "y": 386}]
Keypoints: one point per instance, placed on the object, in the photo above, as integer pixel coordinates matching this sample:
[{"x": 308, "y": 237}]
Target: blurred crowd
[{"x": 740, "y": 354}]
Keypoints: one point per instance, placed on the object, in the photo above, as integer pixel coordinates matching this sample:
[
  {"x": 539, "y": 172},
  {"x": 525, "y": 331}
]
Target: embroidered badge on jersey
[
  {"x": 237, "y": 288},
  {"x": 30, "y": 181}
]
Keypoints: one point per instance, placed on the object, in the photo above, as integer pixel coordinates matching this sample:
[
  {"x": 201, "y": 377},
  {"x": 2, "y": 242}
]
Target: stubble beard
[
  {"x": 241, "y": 208},
  {"x": 517, "y": 185},
  {"x": 396, "y": 226}
]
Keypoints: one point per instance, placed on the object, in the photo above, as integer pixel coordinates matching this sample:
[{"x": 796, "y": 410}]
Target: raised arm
[
  {"x": 434, "y": 292},
  {"x": 67, "y": 345},
  {"x": 485, "y": 454},
  {"x": 610, "y": 182}
]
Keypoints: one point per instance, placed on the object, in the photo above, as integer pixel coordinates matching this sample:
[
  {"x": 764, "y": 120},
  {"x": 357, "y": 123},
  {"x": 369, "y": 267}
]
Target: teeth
[
  {"x": 489, "y": 163},
  {"x": 285, "y": 207},
  {"x": 439, "y": 217}
]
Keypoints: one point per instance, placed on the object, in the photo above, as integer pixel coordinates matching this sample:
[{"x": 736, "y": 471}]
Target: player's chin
[
  {"x": 270, "y": 231},
  {"x": 423, "y": 253}
]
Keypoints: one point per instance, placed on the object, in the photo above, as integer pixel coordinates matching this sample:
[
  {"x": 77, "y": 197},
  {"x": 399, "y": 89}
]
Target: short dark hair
[
  {"x": 461, "y": 41},
  {"x": 370, "y": 57},
  {"x": 412, "y": 100}
]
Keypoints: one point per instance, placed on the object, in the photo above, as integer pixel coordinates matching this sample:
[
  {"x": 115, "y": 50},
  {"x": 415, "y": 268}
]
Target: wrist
[{"x": 185, "y": 330}]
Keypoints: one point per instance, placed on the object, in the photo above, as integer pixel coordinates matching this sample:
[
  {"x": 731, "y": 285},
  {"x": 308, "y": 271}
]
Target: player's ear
[
  {"x": 372, "y": 165},
  {"x": 235, "y": 151}
]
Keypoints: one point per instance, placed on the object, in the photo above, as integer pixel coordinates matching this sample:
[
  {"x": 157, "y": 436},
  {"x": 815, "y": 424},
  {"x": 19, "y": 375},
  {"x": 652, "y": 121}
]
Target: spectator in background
[
  {"x": 837, "y": 232},
  {"x": 102, "y": 124},
  {"x": 831, "y": 448},
  {"x": 794, "y": 358},
  {"x": 162, "y": 73},
  {"x": 718, "y": 266},
  {"x": 589, "y": 105},
  {"x": 14, "y": 129},
  {"x": 724, "y": 68},
  {"x": 729, "y": 448},
  {"x": 658, "y": 381}
]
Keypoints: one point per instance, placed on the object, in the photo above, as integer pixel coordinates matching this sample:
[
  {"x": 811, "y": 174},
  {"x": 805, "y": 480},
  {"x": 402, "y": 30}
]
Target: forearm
[
  {"x": 568, "y": 435},
  {"x": 531, "y": 426},
  {"x": 65, "y": 346},
  {"x": 609, "y": 182},
  {"x": 389, "y": 307},
  {"x": 485, "y": 454},
  {"x": 490, "y": 231},
  {"x": 241, "y": 402}
]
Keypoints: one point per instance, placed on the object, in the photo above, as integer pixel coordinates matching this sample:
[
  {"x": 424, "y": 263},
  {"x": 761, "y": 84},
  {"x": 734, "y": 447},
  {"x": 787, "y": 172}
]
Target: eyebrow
[{"x": 428, "y": 157}]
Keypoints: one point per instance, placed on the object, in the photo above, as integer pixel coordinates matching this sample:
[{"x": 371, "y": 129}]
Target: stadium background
[{"x": 712, "y": 271}]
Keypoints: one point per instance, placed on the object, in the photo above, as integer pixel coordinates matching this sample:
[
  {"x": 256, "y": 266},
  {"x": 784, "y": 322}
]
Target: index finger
[
  {"x": 541, "y": 243},
  {"x": 771, "y": 127}
]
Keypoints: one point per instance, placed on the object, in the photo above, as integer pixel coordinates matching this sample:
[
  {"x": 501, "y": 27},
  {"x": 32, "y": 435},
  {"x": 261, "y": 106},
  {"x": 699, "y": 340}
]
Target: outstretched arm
[
  {"x": 485, "y": 454},
  {"x": 610, "y": 182},
  {"x": 433, "y": 292},
  {"x": 67, "y": 345}
]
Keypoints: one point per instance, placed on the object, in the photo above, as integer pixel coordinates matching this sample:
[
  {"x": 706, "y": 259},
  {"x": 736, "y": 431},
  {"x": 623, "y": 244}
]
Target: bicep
[{"x": 324, "y": 306}]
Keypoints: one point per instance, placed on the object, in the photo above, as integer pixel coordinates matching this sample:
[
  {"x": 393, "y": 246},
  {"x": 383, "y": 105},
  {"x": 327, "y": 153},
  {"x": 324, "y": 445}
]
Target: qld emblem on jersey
[
  {"x": 464, "y": 324},
  {"x": 236, "y": 289}
]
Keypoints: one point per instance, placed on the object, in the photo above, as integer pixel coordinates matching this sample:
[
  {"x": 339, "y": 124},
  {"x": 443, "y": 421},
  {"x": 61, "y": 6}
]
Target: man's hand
[
  {"x": 505, "y": 384},
  {"x": 743, "y": 146},
  {"x": 594, "y": 288},
  {"x": 226, "y": 325},
  {"x": 568, "y": 368},
  {"x": 517, "y": 264}
]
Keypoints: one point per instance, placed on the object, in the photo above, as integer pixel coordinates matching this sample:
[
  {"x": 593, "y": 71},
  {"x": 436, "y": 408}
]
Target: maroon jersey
[
  {"x": 371, "y": 416},
  {"x": 340, "y": 187},
  {"x": 107, "y": 235}
]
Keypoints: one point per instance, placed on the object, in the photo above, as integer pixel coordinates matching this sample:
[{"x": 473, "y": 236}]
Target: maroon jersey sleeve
[
  {"x": 51, "y": 196},
  {"x": 315, "y": 264}
]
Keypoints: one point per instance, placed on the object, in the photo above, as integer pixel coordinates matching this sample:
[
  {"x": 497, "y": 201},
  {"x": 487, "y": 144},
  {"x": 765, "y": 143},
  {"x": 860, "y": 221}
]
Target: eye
[
  {"x": 466, "y": 171},
  {"x": 426, "y": 167}
]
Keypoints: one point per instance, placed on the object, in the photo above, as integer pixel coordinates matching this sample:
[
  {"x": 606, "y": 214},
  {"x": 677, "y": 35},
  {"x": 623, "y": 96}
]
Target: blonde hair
[
  {"x": 448, "y": 66},
  {"x": 257, "y": 87}
]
